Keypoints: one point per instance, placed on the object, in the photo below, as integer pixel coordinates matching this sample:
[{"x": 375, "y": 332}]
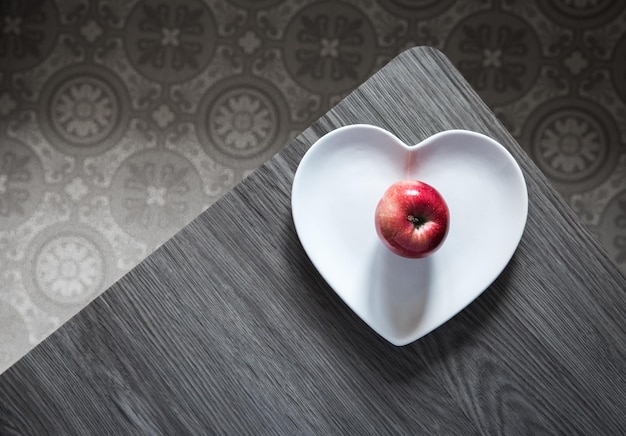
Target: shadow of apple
[{"x": 398, "y": 293}]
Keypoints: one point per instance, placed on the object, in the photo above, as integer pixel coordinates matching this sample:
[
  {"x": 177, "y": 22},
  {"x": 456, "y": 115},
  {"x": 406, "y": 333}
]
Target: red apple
[{"x": 412, "y": 219}]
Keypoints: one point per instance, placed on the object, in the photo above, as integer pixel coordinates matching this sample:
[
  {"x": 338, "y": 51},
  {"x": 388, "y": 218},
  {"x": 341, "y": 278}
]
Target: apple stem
[{"x": 417, "y": 221}]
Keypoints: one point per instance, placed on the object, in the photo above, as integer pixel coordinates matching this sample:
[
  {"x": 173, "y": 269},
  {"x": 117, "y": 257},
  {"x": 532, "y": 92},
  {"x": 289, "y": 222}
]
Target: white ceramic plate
[{"x": 335, "y": 192}]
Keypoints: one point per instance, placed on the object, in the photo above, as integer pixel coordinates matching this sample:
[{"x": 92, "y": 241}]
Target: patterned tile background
[{"x": 121, "y": 120}]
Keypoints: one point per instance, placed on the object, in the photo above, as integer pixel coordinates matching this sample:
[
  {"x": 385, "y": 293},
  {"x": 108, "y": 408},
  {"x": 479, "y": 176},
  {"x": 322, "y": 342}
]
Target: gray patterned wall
[{"x": 121, "y": 120}]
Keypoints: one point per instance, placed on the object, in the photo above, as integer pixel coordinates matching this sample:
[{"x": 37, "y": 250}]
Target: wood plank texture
[{"x": 229, "y": 329}]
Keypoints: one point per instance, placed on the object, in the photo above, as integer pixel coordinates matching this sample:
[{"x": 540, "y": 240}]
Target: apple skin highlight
[{"x": 412, "y": 219}]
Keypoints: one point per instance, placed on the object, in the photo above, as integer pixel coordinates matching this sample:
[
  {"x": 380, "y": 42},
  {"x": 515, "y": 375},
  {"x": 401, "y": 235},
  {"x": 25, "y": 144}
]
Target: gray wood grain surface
[{"x": 229, "y": 329}]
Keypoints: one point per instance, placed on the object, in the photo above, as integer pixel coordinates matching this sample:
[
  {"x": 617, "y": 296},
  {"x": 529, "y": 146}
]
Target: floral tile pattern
[{"x": 121, "y": 120}]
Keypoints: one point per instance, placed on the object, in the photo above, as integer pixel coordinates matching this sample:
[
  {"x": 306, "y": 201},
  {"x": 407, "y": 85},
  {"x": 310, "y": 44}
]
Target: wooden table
[{"x": 229, "y": 329}]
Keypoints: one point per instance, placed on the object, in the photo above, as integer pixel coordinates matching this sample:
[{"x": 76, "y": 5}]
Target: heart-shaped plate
[{"x": 336, "y": 189}]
